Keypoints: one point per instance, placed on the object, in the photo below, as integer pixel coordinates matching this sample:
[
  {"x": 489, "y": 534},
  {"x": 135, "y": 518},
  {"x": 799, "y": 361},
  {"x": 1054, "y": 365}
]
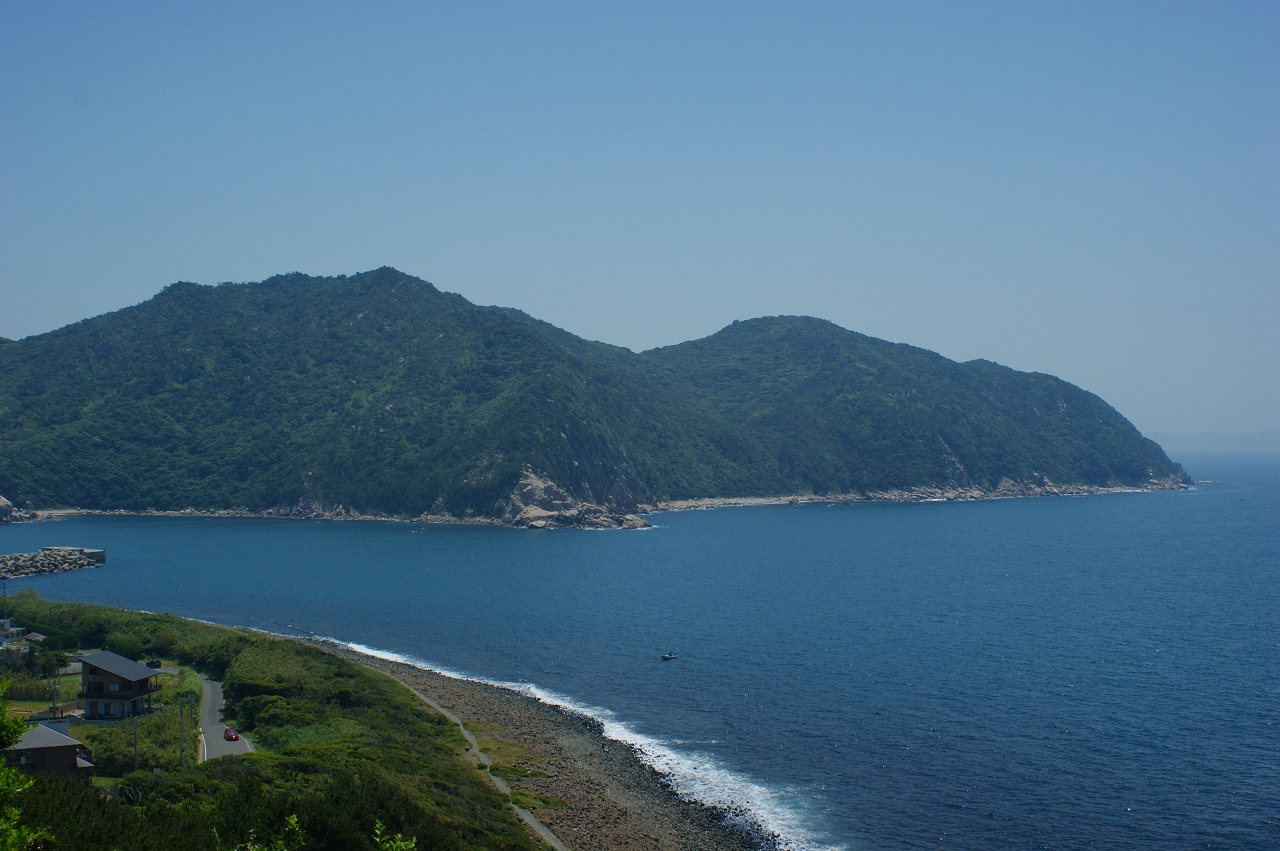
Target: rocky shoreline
[
  {"x": 592, "y": 792},
  {"x": 1008, "y": 489},
  {"x": 534, "y": 503},
  {"x": 583, "y": 516},
  {"x": 538, "y": 503}
]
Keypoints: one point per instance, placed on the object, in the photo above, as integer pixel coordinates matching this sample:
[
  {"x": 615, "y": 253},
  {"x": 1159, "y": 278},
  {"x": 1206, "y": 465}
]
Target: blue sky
[{"x": 1089, "y": 190}]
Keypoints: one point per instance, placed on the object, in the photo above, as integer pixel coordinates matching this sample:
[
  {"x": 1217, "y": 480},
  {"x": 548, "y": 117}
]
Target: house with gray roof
[
  {"x": 114, "y": 687},
  {"x": 46, "y": 751}
]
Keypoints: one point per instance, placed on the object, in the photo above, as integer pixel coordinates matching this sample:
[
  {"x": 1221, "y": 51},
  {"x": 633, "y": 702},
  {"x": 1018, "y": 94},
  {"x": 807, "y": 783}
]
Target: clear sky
[{"x": 1089, "y": 190}]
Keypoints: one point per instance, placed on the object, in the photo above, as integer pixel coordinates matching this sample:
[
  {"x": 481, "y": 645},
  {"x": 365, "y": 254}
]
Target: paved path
[{"x": 211, "y": 726}]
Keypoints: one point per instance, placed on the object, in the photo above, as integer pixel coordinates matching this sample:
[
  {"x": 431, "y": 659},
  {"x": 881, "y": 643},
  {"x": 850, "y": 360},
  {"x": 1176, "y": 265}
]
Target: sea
[{"x": 1058, "y": 672}]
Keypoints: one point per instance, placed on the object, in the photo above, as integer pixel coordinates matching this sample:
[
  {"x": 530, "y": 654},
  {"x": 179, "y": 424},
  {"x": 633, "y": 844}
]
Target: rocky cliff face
[
  {"x": 11, "y": 514},
  {"x": 538, "y": 503}
]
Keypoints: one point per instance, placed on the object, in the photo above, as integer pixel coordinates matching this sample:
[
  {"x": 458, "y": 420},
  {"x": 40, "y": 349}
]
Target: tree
[
  {"x": 386, "y": 842},
  {"x": 13, "y": 836},
  {"x": 290, "y": 839}
]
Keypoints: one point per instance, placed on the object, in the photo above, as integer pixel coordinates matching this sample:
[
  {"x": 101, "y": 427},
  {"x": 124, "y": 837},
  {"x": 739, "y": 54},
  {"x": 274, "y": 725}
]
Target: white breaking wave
[{"x": 694, "y": 776}]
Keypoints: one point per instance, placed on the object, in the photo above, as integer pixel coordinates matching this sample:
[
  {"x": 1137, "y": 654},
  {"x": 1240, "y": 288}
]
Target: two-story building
[
  {"x": 115, "y": 687},
  {"x": 47, "y": 751},
  {"x": 10, "y": 634}
]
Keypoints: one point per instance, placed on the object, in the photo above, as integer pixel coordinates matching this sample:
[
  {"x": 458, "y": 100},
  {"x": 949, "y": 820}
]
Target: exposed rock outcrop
[
  {"x": 536, "y": 503},
  {"x": 309, "y": 509},
  {"x": 9, "y": 513},
  {"x": 539, "y": 503}
]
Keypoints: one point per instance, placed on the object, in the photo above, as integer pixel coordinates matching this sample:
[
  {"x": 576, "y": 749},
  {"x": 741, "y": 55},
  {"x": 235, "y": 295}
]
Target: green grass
[
  {"x": 511, "y": 772},
  {"x": 530, "y": 800},
  {"x": 503, "y": 751},
  {"x": 24, "y": 688},
  {"x": 338, "y": 745},
  {"x": 159, "y": 743}
]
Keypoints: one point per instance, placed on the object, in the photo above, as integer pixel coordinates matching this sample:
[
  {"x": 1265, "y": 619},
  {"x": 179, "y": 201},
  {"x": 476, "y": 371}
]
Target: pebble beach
[{"x": 610, "y": 799}]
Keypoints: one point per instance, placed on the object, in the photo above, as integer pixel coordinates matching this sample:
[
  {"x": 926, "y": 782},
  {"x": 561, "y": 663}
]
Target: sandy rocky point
[{"x": 9, "y": 513}]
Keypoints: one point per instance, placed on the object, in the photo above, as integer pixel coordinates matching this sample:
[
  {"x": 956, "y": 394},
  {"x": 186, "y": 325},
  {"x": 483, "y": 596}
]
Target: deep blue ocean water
[{"x": 1044, "y": 673}]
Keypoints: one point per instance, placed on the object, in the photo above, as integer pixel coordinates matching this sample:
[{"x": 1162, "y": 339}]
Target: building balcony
[{"x": 117, "y": 695}]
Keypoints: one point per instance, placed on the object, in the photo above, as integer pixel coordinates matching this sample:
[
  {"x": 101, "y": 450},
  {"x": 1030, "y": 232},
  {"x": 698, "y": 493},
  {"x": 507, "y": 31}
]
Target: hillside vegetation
[
  {"x": 381, "y": 393},
  {"x": 336, "y": 745}
]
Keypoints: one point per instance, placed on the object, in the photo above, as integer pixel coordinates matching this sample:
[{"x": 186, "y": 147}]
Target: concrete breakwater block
[
  {"x": 100, "y": 556},
  {"x": 50, "y": 560}
]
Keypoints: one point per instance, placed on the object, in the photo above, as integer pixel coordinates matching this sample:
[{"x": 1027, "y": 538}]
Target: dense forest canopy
[{"x": 379, "y": 392}]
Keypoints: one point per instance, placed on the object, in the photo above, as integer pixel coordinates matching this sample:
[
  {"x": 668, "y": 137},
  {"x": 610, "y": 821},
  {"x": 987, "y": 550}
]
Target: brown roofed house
[
  {"x": 44, "y": 750},
  {"x": 115, "y": 687}
]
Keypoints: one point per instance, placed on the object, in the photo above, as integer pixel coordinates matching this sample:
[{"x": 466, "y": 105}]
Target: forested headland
[{"x": 382, "y": 394}]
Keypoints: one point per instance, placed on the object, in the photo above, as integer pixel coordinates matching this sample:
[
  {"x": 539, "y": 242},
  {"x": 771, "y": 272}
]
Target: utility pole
[
  {"x": 182, "y": 729},
  {"x": 135, "y": 743},
  {"x": 57, "y": 678}
]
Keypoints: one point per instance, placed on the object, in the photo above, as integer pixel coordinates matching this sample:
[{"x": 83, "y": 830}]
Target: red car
[{"x": 230, "y": 735}]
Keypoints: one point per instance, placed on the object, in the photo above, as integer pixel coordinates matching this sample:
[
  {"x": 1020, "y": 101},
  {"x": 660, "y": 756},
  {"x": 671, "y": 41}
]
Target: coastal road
[{"x": 211, "y": 725}]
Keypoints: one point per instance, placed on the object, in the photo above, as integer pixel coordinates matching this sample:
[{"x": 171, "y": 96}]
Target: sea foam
[{"x": 694, "y": 776}]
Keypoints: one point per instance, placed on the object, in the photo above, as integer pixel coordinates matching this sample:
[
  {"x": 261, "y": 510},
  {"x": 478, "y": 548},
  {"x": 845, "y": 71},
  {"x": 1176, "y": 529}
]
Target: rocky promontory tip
[
  {"x": 12, "y": 514},
  {"x": 539, "y": 503}
]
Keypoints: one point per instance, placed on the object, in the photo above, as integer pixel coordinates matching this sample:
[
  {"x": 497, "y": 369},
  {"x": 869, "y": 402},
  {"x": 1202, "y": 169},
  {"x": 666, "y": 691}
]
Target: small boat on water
[{"x": 667, "y": 657}]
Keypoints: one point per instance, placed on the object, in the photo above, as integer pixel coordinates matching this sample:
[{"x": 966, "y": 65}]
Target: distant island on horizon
[{"x": 378, "y": 394}]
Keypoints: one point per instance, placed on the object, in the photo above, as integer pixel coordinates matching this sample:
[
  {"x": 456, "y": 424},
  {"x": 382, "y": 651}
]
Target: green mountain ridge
[{"x": 381, "y": 393}]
